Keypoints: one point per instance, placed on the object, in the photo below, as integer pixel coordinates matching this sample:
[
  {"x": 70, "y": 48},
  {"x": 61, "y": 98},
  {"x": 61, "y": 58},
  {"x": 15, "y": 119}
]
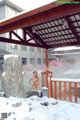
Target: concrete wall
[
  {"x": 2, "y": 12},
  {"x": 2, "y": 17}
]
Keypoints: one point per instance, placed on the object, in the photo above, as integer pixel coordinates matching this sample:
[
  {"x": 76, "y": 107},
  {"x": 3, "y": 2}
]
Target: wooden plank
[
  {"x": 55, "y": 90},
  {"x": 64, "y": 90},
  {"x": 70, "y": 92},
  {"x": 75, "y": 90},
  {"x": 60, "y": 93}
]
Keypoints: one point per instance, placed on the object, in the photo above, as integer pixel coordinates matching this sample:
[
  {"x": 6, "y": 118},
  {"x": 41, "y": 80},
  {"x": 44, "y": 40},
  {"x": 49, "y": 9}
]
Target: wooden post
[
  {"x": 47, "y": 60},
  {"x": 50, "y": 89},
  {"x": 70, "y": 92},
  {"x": 60, "y": 93},
  {"x": 75, "y": 88},
  {"x": 47, "y": 66},
  {"x": 55, "y": 90},
  {"x": 64, "y": 90}
]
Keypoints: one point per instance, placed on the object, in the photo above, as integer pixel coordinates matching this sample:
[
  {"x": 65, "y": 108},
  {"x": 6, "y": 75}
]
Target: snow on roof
[{"x": 10, "y": 4}]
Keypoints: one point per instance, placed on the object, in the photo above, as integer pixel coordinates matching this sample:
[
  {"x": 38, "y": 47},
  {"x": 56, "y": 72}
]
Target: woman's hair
[{"x": 36, "y": 74}]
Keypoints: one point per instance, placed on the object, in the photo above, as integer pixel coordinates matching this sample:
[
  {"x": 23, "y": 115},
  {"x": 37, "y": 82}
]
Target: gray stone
[
  {"x": 44, "y": 91},
  {"x": 12, "y": 77},
  {"x": 31, "y": 93},
  {"x": 17, "y": 104}
]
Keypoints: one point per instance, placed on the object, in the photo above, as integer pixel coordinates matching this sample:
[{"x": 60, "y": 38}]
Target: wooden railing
[{"x": 64, "y": 89}]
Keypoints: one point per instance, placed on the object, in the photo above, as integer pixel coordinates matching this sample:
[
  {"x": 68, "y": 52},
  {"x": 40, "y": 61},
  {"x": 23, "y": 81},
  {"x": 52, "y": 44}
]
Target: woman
[{"x": 34, "y": 81}]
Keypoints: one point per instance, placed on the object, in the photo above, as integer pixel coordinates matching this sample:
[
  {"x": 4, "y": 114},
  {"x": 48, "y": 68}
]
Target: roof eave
[{"x": 11, "y": 5}]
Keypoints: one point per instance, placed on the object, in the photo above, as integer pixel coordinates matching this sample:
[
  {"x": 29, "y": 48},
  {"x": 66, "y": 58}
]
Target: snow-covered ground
[{"x": 33, "y": 108}]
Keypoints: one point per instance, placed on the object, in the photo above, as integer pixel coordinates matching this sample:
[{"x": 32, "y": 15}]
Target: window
[
  {"x": 38, "y": 61},
  {"x": 32, "y": 60},
  {"x": 1, "y": 58},
  {"x": 44, "y": 61},
  {"x": 24, "y": 61},
  {"x": 32, "y": 49},
  {"x": 23, "y": 47},
  {"x": 1, "y": 64},
  {"x": 13, "y": 47},
  {"x": 38, "y": 50}
]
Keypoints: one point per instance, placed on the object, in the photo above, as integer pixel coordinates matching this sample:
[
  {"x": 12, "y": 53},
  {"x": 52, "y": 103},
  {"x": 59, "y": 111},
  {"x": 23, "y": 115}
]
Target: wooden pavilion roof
[{"x": 51, "y": 26}]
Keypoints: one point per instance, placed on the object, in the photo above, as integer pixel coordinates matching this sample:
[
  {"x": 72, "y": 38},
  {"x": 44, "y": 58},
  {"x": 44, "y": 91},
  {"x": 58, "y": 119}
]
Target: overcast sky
[{"x": 31, "y": 4}]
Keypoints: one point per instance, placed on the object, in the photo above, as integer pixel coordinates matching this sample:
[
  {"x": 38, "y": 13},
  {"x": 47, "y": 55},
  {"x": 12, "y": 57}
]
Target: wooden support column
[
  {"x": 24, "y": 34},
  {"x": 47, "y": 60},
  {"x": 10, "y": 35},
  {"x": 50, "y": 88}
]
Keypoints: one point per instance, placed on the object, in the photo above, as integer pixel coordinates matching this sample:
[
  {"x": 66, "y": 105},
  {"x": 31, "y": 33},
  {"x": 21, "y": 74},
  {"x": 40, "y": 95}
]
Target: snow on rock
[
  {"x": 32, "y": 109},
  {"x": 9, "y": 56}
]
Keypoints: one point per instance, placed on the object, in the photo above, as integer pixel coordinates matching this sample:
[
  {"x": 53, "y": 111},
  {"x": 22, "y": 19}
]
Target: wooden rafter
[
  {"x": 72, "y": 27},
  {"x": 36, "y": 36},
  {"x": 13, "y": 41},
  {"x": 31, "y": 38},
  {"x": 60, "y": 40},
  {"x": 65, "y": 45},
  {"x": 12, "y": 32}
]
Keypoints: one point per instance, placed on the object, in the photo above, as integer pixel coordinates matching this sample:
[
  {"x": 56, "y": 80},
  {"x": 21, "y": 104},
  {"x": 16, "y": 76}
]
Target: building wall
[
  {"x": 2, "y": 12},
  {"x": 2, "y": 17}
]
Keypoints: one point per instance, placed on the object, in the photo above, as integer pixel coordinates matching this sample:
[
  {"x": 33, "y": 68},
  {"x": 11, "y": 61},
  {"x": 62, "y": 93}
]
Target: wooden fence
[{"x": 64, "y": 89}]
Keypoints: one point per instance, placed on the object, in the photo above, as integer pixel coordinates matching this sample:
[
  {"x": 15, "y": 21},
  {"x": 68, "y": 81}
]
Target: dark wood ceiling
[{"x": 64, "y": 31}]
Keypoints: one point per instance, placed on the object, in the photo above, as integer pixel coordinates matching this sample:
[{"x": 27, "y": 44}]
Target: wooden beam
[
  {"x": 72, "y": 27},
  {"x": 32, "y": 37},
  {"x": 38, "y": 39},
  {"x": 10, "y": 35},
  {"x": 47, "y": 60},
  {"x": 12, "y": 32},
  {"x": 65, "y": 44},
  {"x": 13, "y": 41},
  {"x": 56, "y": 37},
  {"x": 24, "y": 34},
  {"x": 56, "y": 31},
  {"x": 45, "y": 28},
  {"x": 48, "y": 12},
  {"x": 60, "y": 40}
]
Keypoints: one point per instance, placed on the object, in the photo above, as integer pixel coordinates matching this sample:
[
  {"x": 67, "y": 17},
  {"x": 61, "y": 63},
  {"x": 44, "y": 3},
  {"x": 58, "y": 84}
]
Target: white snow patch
[
  {"x": 65, "y": 79},
  {"x": 9, "y": 56},
  {"x": 31, "y": 109}
]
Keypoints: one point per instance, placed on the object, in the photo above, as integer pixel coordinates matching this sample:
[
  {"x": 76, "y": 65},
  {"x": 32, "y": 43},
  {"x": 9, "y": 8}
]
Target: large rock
[{"x": 12, "y": 76}]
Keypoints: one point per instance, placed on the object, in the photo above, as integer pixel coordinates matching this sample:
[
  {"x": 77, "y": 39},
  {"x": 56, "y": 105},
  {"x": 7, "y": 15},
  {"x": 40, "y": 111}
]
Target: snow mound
[{"x": 33, "y": 109}]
